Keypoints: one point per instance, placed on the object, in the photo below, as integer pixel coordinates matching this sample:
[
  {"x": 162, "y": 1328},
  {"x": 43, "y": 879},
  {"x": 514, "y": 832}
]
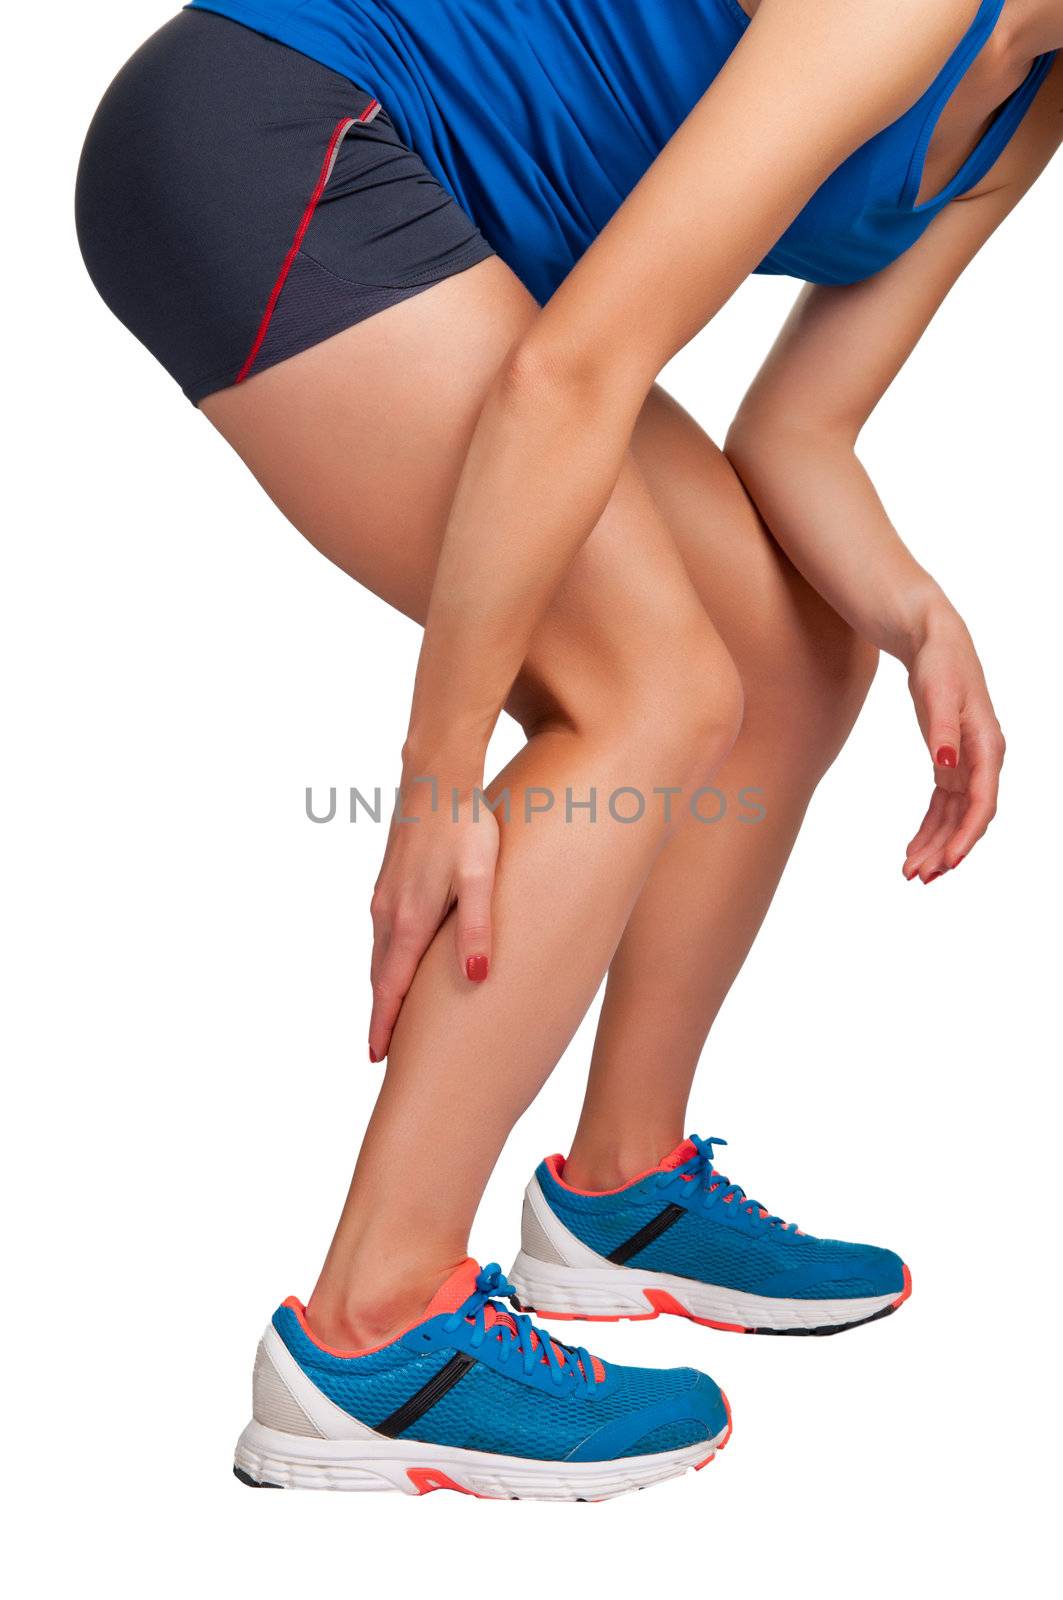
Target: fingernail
[
  {"x": 476, "y": 969},
  {"x": 956, "y": 863},
  {"x": 374, "y": 1058},
  {"x": 946, "y": 756},
  {"x": 932, "y": 876}
]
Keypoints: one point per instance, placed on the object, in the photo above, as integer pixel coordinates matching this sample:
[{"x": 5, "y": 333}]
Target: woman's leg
[
  {"x": 804, "y": 675},
  {"x": 360, "y": 441}
]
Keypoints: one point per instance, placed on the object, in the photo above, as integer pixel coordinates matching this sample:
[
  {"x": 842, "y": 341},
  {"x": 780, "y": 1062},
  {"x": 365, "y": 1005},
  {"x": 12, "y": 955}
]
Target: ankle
[
  {"x": 599, "y": 1163},
  {"x": 363, "y": 1308}
]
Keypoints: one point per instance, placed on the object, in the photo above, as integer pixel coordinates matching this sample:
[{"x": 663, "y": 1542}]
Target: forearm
[
  {"x": 823, "y": 510},
  {"x": 793, "y": 440},
  {"x": 543, "y": 462}
]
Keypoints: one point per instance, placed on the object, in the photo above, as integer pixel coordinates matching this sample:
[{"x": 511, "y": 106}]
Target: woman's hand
[
  {"x": 966, "y": 746},
  {"x": 441, "y": 853}
]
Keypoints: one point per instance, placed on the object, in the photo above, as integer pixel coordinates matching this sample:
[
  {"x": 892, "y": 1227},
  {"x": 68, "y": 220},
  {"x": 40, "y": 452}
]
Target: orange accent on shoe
[
  {"x": 722, "y": 1443},
  {"x": 330, "y": 1349},
  {"x": 663, "y": 1301},
  {"x": 684, "y": 1151},
  {"x": 725, "y": 1441},
  {"x": 580, "y": 1316},
  {"x": 333, "y": 1350},
  {"x": 448, "y": 1297},
  {"x": 556, "y": 1164},
  {"x": 427, "y": 1479},
  {"x": 665, "y": 1304},
  {"x": 455, "y": 1290},
  {"x": 905, "y": 1292}
]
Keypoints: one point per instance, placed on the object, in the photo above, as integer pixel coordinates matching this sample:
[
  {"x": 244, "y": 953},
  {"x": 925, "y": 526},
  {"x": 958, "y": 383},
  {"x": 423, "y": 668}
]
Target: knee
[
  {"x": 684, "y": 710},
  {"x": 806, "y": 689},
  {"x": 706, "y": 704},
  {"x": 672, "y": 704}
]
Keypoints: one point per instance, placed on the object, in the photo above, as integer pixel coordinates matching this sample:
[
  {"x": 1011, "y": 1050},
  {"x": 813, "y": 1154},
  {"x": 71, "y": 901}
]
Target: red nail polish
[
  {"x": 476, "y": 969},
  {"x": 947, "y": 757},
  {"x": 957, "y": 862},
  {"x": 932, "y": 876},
  {"x": 374, "y": 1058}
]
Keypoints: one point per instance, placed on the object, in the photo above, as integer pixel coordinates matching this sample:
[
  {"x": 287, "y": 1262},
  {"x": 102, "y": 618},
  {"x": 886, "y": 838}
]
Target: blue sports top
[{"x": 540, "y": 116}]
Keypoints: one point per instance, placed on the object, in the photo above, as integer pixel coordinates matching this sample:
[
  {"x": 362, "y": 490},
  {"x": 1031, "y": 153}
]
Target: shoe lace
[
  {"x": 518, "y": 1336},
  {"x": 716, "y": 1189}
]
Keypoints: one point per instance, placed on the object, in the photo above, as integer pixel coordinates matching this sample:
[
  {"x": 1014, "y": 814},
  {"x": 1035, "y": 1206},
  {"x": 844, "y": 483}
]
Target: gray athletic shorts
[{"x": 237, "y": 203}]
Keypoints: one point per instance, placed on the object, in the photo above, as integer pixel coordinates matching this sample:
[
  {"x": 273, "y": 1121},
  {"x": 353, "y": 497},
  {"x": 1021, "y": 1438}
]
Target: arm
[
  {"x": 807, "y": 84},
  {"x": 793, "y": 443}
]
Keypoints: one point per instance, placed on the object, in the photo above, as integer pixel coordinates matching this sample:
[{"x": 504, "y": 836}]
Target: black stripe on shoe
[
  {"x": 425, "y": 1398},
  {"x": 638, "y": 1241}
]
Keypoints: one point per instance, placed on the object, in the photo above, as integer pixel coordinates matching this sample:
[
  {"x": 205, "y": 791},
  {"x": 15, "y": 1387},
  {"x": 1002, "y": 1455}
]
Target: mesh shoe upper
[
  {"x": 521, "y": 1393},
  {"x": 720, "y": 1236}
]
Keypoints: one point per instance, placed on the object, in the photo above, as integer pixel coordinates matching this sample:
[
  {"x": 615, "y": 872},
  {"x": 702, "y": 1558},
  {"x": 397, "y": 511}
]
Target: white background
[{"x": 187, "y": 998}]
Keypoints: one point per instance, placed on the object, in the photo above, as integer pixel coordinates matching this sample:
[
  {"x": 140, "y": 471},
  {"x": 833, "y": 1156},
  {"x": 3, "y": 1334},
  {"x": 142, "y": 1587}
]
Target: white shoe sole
[
  {"x": 268, "y": 1458},
  {"x": 608, "y": 1293}
]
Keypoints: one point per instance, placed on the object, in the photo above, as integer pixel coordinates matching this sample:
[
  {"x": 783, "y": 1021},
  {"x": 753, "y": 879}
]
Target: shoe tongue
[
  {"x": 684, "y": 1151},
  {"x": 456, "y": 1290}
]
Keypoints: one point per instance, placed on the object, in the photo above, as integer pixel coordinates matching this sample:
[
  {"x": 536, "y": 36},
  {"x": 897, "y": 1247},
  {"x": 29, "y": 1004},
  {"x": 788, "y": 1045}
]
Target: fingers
[
  {"x": 930, "y": 826},
  {"x": 930, "y": 863},
  {"x": 982, "y": 793},
  {"x": 400, "y": 939},
  {"x": 964, "y": 801},
  {"x": 472, "y": 923},
  {"x": 961, "y": 730},
  {"x": 927, "y": 829},
  {"x": 427, "y": 874},
  {"x": 943, "y": 733}
]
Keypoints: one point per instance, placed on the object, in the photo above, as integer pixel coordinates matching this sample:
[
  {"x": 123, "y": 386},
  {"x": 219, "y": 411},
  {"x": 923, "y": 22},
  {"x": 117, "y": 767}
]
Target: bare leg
[
  {"x": 804, "y": 676},
  {"x": 627, "y": 683}
]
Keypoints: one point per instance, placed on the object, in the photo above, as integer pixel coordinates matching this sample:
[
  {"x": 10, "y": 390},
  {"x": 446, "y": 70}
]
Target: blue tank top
[{"x": 540, "y": 116}]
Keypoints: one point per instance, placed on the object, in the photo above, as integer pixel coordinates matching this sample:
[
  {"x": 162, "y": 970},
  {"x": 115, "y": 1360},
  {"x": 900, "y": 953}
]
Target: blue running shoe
[
  {"x": 474, "y": 1398},
  {"x": 684, "y": 1239}
]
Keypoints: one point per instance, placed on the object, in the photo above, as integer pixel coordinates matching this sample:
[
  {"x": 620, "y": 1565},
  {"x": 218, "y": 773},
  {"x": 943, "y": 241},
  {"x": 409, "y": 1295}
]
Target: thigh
[{"x": 360, "y": 441}]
